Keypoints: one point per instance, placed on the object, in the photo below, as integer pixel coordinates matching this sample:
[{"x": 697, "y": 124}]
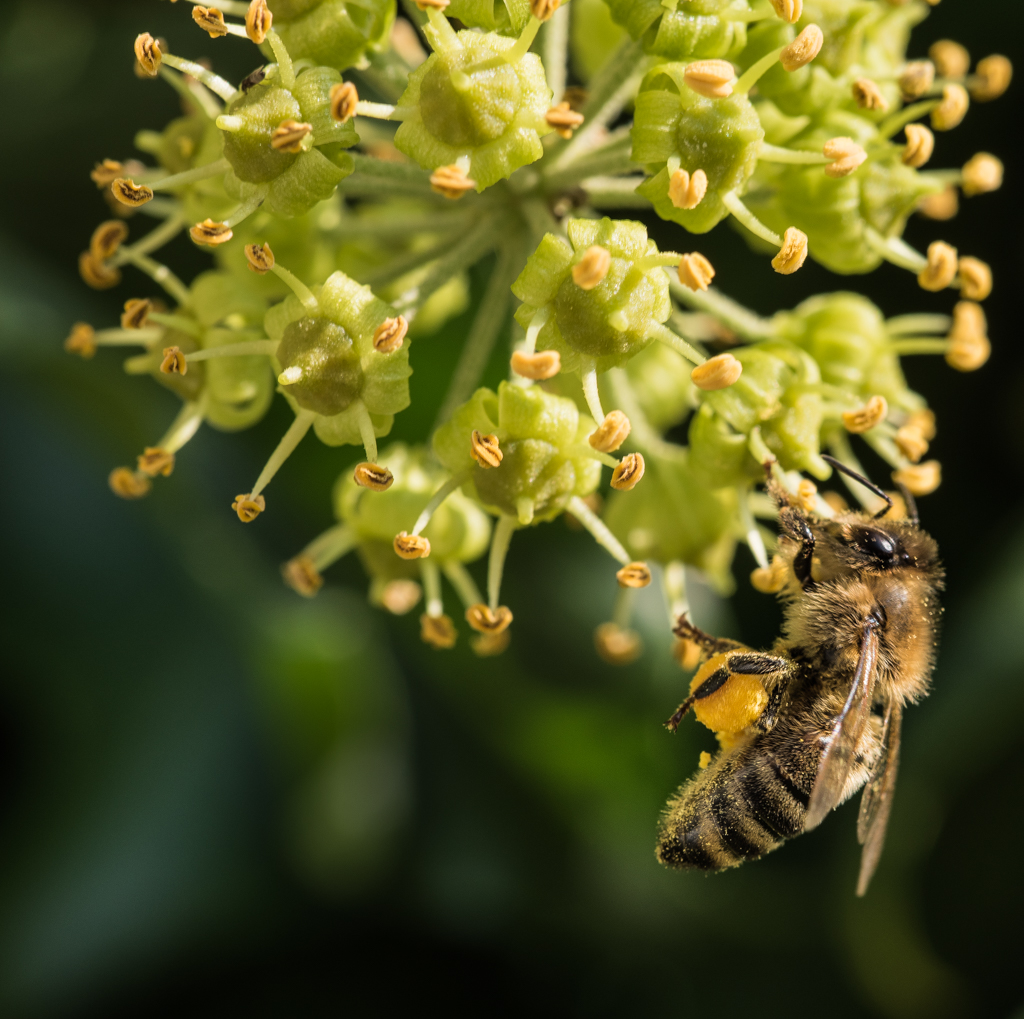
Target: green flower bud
[
  {"x": 297, "y": 176},
  {"x": 545, "y": 456},
  {"x": 674, "y": 128},
  {"x": 329, "y": 365},
  {"x": 661, "y": 382},
  {"x": 719, "y": 455},
  {"x": 609, "y": 322},
  {"x": 459, "y": 531},
  {"x": 684, "y": 29},
  {"x": 676, "y": 516},
  {"x": 335, "y": 33},
  {"x": 492, "y": 15},
  {"x": 466, "y": 101}
]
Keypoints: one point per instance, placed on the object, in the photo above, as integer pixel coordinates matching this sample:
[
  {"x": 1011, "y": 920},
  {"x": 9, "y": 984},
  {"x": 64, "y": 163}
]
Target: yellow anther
[
  {"x": 260, "y": 258},
  {"x": 991, "y": 78},
  {"x": 210, "y": 20},
  {"x": 258, "y": 21},
  {"x": 485, "y": 449},
  {"x": 837, "y": 503},
  {"x": 718, "y": 372},
  {"x": 128, "y": 484},
  {"x": 617, "y": 646},
  {"x": 610, "y": 433},
  {"x": 920, "y": 145},
  {"x": 772, "y": 578},
  {"x": 487, "y": 645},
  {"x": 592, "y": 267},
  {"x": 136, "y": 312},
  {"x": 543, "y": 9},
  {"x": 952, "y": 109},
  {"x": 302, "y": 576},
  {"x": 923, "y": 420},
  {"x": 982, "y": 173},
  {"x": 248, "y": 507},
  {"x": 711, "y": 78},
  {"x": 438, "y": 631},
  {"x": 482, "y": 619},
  {"x": 687, "y": 653},
  {"x": 564, "y": 119},
  {"x": 695, "y": 271},
  {"x": 107, "y": 238},
  {"x": 174, "y": 362},
  {"x": 803, "y": 49},
  {"x": 400, "y": 596},
  {"x": 411, "y": 546},
  {"x": 793, "y": 252},
  {"x": 373, "y": 477},
  {"x": 544, "y": 364},
  {"x": 104, "y": 174},
  {"x": 788, "y": 10},
  {"x": 289, "y": 135},
  {"x": 634, "y": 575},
  {"x": 451, "y": 181},
  {"x": 96, "y": 273},
  {"x": 968, "y": 346},
  {"x": 628, "y": 472},
  {"x": 863, "y": 419},
  {"x": 911, "y": 443},
  {"x": 920, "y": 479},
  {"x": 211, "y": 233},
  {"x": 975, "y": 279},
  {"x": 81, "y": 340},
  {"x": 127, "y": 192},
  {"x": 941, "y": 206},
  {"x": 686, "y": 191},
  {"x": 846, "y": 156},
  {"x": 869, "y": 96},
  {"x": 807, "y": 495},
  {"x": 916, "y": 78},
  {"x": 155, "y": 460},
  {"x": 390, "y": 335},
  {"x": 704, "y": 760},
  {"x": 950, "y": 58},
  {"x": 437, "y": 5},
  {"x": 941, "y": 268},
  {"x": 148, "y": 55},
  {"x": 344, "y": 97}
]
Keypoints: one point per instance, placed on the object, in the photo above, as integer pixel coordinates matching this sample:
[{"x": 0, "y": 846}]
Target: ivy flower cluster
[{"x": 346, "y": 187}]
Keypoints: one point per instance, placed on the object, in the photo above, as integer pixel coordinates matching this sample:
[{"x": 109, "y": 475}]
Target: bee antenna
[
  {"x": 871, "y": 486},
  {"x": 911, "y": 503}
]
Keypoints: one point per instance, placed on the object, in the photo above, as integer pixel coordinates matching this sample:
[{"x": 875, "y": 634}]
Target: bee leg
[
  {"x": 795, "y": 526},
  {"x": 708, "y": 644}
]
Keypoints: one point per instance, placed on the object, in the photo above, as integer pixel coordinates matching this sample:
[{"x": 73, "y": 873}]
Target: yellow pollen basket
[{"x": 735, "y": 704}]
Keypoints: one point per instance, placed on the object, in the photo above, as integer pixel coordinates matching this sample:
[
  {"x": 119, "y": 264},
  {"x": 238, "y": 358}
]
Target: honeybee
[{"x": 805, "y": 725}]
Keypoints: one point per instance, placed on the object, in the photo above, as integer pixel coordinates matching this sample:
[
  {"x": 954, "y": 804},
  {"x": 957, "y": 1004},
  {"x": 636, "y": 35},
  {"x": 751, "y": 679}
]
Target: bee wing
[
  {"x": 876, "y": 803},
  {"x": 847, "y": 730}
]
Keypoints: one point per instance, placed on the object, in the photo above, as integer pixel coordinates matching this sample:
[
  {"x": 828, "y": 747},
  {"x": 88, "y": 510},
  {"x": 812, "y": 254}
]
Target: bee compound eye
[{"x": 880, "y": 546}]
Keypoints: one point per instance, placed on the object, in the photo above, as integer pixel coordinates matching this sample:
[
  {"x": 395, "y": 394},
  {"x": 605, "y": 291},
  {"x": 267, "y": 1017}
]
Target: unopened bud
[
  {"x": 917, "y": 78},
  {"x": 81, "y": 341},
  {"x": 628, "y": 472},
  {"x": 772, "y": 578},
  {"x": 592, "y": 267},
  {"x": 846, "y": 156},
  {"x": 260, "y": 258},
  {"x": 710, "y": 78},
  {"x": 952, "y": 109},
  {"x": 941, "y": 268},
  {"x": 544, "y": 364},
  {"x": 107, "y": 238},
  {"x": 210, "y": 20},
  {"x": 686, "y": 191},
  {"x": 564, "y": 119},
  {"x": 634, "y": 575},
  {"x": 920, "y": 479},
  {"x": 484, "y": 620},
  {"x": 616, "y": 645},
  {"x": 991, "y": 78},
  {"x": 982, "y": 173},
  {"x": 127, "y": 192},
  {"x": 128, "y": 484},
  {"x": 873, "y": 413},
  {"x": 302, "y": 576},
  {"x": 940, "y": 206},
  {"x": 695, "y": 271},
  {"x": 289, "y": 135},
  {"x": 147, "y": 53},
  {"x": 975, "y": 279},
  {"x": 803, "y": 49},
  {"x": 211, "y": 233},
  {"x": 868, "y": 95},
  {"x": 788, "y": 10},
  {"x": 136, "y": 312},
  {"x": 258, "y": 21},
  {"x": 611, "y": 433},
  {"x": 411, "y": 546},
  {"x": 174, "y": 362},
  {"x": 344, "y": 98},
  {"x": 920, "y": 145},
  {"x": 950, "y": 58},
  {"x": 438, "y": 631},
  {"x": 718, "y": 372},
  {"x": 373, "y": 476},
  {"x": 485, "y": 450},
  {"x": 793, "y": 252},
  {"x": 248, "y": 507},
  {"x": 451, "y": 181}
]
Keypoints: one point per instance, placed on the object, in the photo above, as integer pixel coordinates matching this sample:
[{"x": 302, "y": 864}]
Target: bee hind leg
[{"x": 709, "y": 645}]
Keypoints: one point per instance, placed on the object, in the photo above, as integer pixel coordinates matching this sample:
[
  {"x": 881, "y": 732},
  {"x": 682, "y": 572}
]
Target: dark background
[{"x": 215, "y": 796}]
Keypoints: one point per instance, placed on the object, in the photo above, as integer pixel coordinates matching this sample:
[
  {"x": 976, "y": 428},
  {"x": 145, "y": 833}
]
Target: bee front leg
[
  {"x": 795, "y": 527},
  {"x": 709, "y": 645}
]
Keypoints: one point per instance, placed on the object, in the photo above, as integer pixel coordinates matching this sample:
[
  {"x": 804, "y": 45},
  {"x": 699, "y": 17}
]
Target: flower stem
[
  {"x": 500, "y": 542},
  {"x": 598, "y": 529},
  {"x": 465, "y": 586},
  {"x": 330, "y": 546},
  {"x": 295, "y": 434}
]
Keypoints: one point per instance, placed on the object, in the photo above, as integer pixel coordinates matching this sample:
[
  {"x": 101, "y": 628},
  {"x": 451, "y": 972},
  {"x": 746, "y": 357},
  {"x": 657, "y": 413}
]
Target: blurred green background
[{"x": 217, "y": 797}]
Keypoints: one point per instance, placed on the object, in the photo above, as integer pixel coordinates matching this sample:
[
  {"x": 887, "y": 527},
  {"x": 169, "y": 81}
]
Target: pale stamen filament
[{"x": 289, "y": 441}]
